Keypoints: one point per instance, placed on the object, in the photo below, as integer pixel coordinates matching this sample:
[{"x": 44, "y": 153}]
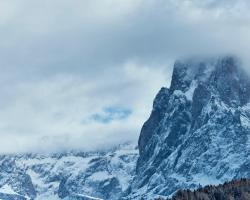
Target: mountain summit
[
  {"x": 198, "y": 131},
  {"x": 197, "y": 134}
]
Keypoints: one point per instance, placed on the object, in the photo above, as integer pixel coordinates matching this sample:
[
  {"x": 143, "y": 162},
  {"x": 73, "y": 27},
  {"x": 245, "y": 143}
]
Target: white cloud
[
  {"x": 64, "y": 61},
  {"x": 56, "y": 113}
]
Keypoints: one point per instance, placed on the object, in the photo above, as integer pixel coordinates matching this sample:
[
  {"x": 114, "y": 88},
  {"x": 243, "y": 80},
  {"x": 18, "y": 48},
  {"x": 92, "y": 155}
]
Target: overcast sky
[{"x": 82, "y": 74}]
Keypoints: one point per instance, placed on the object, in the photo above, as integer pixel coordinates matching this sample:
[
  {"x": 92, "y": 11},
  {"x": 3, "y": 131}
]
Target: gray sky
[{"x": 83, "y": 73}]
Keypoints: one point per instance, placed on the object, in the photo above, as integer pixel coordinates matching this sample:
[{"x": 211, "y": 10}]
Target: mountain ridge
[
  {"x": 68, "y": 176},
  {"x": 198, "y": 134},
  {"x": 198, "y": 130}
]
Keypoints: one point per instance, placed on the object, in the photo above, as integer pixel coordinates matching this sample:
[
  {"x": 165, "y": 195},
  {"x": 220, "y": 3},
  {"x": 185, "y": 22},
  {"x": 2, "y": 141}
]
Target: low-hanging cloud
[
  {"x": 66, "y": 111},
  {"x": 83, "y": 74}
]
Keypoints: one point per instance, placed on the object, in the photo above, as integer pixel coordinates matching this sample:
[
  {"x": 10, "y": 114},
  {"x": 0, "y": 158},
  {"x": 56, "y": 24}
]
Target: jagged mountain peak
[
  {"x": 196, "y": 65},
  {"x": 200, "y": 68},
  {"x": 198, "y": 133},
  {"x": 223, "y": 76},
  {"x": 197, "y": 128}
]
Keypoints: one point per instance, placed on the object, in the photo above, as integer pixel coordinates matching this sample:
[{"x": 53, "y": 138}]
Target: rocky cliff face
[
  {"x": 197, "y": 134},
  {"x": 198, "y": 131}
]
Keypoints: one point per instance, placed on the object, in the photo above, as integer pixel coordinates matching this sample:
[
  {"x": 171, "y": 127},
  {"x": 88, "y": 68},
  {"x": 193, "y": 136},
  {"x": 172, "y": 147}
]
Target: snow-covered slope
[
  {"x": 199, "y": 130},
  {"x": 75, "y": 175}
]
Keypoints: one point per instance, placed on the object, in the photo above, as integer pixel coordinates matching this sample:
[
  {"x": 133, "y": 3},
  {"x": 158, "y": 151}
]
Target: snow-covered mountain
[
  {"x": 68, "y": 176},
  {"x": 199, "y": 130},
  {"x": 197, "y": 134}
]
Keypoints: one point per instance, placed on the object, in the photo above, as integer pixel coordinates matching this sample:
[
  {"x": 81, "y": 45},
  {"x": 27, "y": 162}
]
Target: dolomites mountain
[
  {"x": 197, "y": 134},
  {"x": 198, "y": 131}
]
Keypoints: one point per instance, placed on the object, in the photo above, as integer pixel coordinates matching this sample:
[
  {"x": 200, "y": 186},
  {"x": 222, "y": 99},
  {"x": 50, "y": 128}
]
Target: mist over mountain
[
  {"x": 86, "y": 57},
  {"x": 77, "y": 83},
  {"x": 197, "y": 135},
  {"x": 198, "y": 131}
]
